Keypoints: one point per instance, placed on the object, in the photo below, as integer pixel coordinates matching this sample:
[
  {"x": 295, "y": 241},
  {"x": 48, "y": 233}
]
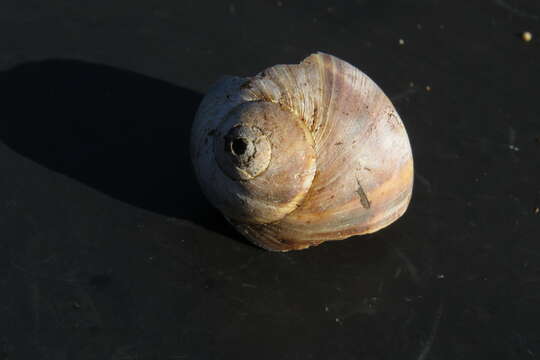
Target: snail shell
[{"x": 301, "y": 154}]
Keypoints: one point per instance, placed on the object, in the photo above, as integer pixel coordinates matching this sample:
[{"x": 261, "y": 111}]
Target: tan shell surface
[{"x": 362, "y": 176}]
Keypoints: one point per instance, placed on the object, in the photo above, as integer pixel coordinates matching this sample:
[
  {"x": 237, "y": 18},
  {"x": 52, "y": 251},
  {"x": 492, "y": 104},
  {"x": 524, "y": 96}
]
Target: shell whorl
[{"x": 305, "y": 153}]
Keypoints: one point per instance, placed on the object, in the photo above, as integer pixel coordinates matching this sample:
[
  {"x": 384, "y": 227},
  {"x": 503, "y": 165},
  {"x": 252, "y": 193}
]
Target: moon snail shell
[{"x": 301, "y": 154}]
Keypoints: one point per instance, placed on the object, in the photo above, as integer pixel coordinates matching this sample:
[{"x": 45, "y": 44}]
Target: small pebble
[
  {"x": 526, "y": 36},
  {"x": 537, "y": 211},
  {"x": 428, "y": 88},
  {"x": 411, "y": 84},
  {"x": 401, "y": 42}
]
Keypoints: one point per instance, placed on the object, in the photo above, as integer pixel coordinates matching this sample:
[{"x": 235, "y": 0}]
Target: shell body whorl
[{"x": 301, "y": 154}]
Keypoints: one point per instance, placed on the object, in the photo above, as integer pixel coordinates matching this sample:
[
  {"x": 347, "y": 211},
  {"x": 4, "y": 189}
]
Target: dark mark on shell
[
  {"x": 366, "y": 204},
  {"x": 246, "y": 85}
]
